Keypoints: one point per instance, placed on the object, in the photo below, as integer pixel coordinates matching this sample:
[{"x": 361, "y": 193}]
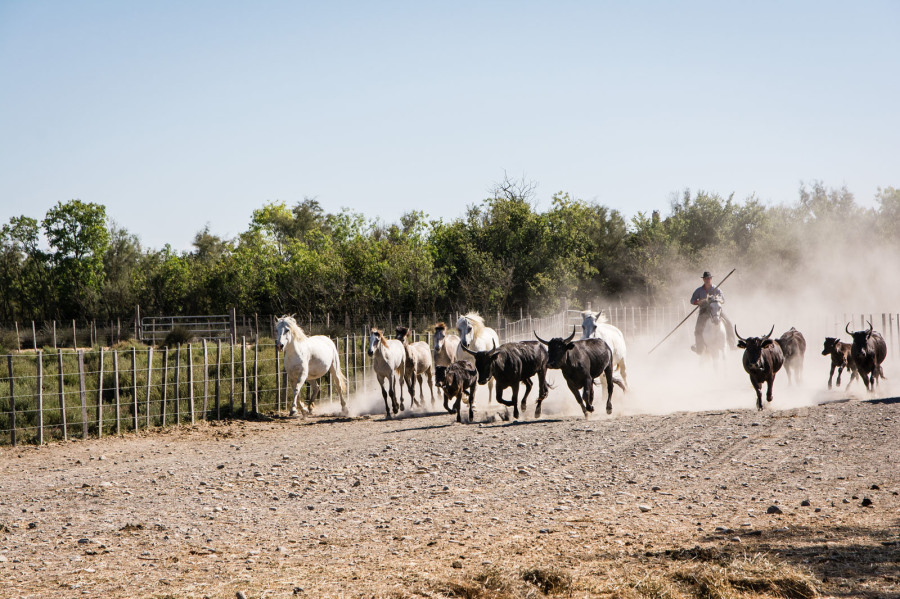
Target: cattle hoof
[
  {"x": 608, "y": 411},
  {"x": 589, "y": 409}
]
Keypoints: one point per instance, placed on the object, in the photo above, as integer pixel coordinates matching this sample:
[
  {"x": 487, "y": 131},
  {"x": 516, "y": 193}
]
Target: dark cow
[
  {"x": 459, "y": 378},
  {"x": 868, "y": 351},
  {"x": 581, "y": 362},
  {"x": 439, "y": 372},
  {"x": 840, "y": 358},
  {"x": 762, "y": 360},
  {"x": 793, "y": 346},
  {"x": 511, "y": 364}
]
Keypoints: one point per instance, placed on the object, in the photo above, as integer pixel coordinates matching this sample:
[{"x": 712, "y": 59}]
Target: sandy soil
[{"x": 366, "y": 507}]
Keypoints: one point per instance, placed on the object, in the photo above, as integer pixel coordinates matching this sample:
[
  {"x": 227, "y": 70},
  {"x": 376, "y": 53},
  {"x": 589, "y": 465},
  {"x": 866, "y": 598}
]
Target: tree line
[{"x": 501, "y": 255}]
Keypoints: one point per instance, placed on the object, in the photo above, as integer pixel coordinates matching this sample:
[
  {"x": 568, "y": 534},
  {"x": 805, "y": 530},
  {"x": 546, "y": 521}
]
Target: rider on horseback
[{"x": 700, "y": 298}]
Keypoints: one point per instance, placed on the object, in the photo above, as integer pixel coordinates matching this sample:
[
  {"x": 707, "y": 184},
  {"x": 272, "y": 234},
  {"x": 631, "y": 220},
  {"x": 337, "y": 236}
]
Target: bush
[{"x": 178, "y": 335}]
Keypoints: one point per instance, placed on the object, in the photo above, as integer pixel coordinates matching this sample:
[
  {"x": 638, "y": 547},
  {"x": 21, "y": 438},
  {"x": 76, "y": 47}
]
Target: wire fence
[{"x": 49, "y": 395}]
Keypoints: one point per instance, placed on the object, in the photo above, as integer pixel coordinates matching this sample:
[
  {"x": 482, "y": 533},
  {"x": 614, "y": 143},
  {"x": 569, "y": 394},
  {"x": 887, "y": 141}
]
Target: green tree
[
  {"x": 78, "y": 236},
  {"x": 24, "y": 280}
]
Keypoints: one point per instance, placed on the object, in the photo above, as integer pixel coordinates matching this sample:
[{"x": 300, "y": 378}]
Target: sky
[{"x": 181, "y": 115}]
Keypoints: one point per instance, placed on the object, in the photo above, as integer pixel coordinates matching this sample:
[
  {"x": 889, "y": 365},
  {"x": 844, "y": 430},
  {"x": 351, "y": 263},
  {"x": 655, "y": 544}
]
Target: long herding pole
[{"x": 688, "y": 316}]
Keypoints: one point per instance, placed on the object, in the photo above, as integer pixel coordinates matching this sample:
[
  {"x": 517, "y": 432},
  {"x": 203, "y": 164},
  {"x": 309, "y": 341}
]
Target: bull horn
[
  {"x": 466, "y": 349},
  {"x": 847, "y": 328},
  {"x": 769, "y": 334},
  {"x": 570, "y": 337},
  {"x": 738, "y": 334},
  {"x": 494, "y": 349},
  {"x": 539, "y": 339},
  {"x": 870, "y": 326}
]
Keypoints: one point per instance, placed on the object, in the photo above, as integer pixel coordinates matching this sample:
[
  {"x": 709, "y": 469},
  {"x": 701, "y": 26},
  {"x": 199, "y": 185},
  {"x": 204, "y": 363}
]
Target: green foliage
[
  {"x": 501, "y": 255},
  {"x": 79, "y": 238}
]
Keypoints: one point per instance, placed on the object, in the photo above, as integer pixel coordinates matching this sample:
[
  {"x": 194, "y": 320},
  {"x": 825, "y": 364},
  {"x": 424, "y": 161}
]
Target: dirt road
[{"x": 422, "y": 506}]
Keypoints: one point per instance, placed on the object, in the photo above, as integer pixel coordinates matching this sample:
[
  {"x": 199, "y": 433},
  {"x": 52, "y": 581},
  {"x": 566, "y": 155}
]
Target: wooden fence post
[
  {"x": 40, "y": 395},
  {"x": 83, "y": 393},
  {"x": 178, "y": 384},
  {"x": 74, "y": 336},
  {"x": 191, "y": 380},
  {"x": 33, "y": 335},
  {"x": 62, "y": 398},
  {"x": 256, "y": 378},
  {"x": 54, "y": 334},
  {"x": 12, "y": 402},
  {"x": 118, "y": 397},
  {"x": 243, "y": 377},
  {"x": 149, "y": 380},
  {"x": 218, "y": 377},
  {"x": 134, "y": 398},
  {"x": 231, "y": 388},
  {"x": 100, "y": 398},
  {"x": 277, "y": 379},
  {"x": 165, "y": 386},
  {"x": 205, "y": 380}
]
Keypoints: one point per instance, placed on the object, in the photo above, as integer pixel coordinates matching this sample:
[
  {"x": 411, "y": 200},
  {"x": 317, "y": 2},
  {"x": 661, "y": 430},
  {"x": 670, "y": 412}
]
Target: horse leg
[
  {"x": 384, "y": 395},
  {"x": 430, "y": 378},
  {"x": 472, "y": 402},
  {"x": 400, "y": 375},
  {"x": 301, "y": 378},
  {"x": 621, "y": 366},
  {"x": 421, "y": 390}
]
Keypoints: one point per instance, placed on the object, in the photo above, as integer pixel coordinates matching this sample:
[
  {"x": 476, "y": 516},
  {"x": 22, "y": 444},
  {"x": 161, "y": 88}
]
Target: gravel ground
[{"x": 368, "y": 507}]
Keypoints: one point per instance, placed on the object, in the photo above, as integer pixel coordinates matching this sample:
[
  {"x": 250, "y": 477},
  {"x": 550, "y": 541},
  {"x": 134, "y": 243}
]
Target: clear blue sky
[{"x": 178, "y": 114}]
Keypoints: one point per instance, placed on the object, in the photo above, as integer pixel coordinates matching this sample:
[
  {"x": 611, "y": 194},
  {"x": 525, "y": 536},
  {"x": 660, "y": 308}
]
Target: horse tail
[{"x": 343, "y": 382}]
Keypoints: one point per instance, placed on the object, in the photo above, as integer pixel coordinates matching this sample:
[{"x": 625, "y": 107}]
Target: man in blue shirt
[{"x": 700, "y": 294}]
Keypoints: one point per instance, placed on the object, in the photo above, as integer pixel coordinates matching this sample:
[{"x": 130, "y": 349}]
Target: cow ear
[
  {"x": 742, "y": 345},
  {"x": 767, "y": 343},
  {"x": 570, "y": 345}
]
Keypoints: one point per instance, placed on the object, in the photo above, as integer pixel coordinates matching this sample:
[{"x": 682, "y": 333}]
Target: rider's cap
[{"x": 706, "y": 275}]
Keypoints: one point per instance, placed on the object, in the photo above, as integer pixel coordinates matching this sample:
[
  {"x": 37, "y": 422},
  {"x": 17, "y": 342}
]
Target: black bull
[
  {"x": 511, "y": 364},
  {"x": 762, "y": 360},
  {"x": 581, "y": 362},
  {"x": 868, "y": 351},
  {"x": 459, "y": 378}
]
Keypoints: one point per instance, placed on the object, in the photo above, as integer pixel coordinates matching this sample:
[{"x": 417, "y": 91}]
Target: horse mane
[
  {"x": 293, "y": 327},
  {"x": 440, "y": 326},
  {"x": 477, "y": 323},
  {"x": 380, "y": 334}
]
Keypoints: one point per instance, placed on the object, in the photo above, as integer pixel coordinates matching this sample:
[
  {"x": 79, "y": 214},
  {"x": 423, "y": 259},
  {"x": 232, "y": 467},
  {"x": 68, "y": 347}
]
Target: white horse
[
  {"x": 389, "y": 362},
  {"x": 715, "y": 335},
  {"x": 444, "y": 352},
  {"x": 308, "y": 359},
  {"x": 419, "y": 364},
  {"x": 475, "y": 335},
  {"x": 595, "y": 325}
]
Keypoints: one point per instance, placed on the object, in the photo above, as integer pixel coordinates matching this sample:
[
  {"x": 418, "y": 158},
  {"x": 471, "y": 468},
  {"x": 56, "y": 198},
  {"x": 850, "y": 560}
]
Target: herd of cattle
[{"x": 457, "y": 364}]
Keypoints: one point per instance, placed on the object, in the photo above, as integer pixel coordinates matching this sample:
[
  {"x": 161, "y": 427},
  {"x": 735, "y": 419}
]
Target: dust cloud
[{"x": 835, "y": 282}]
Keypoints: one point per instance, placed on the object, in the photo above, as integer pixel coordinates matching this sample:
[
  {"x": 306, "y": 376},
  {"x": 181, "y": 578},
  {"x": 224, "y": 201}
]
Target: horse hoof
[{"x": 292, "y": 414}]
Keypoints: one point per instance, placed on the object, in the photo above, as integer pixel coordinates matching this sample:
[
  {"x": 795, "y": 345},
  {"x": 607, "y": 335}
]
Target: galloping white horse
[
  {"x": 715, "y": 336},
  {"x": 389, "y": 362},
  {"x": 595, "y": 325},
  {"x": 307, "y": 359},
  {"x": 475, "y": 335}
]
